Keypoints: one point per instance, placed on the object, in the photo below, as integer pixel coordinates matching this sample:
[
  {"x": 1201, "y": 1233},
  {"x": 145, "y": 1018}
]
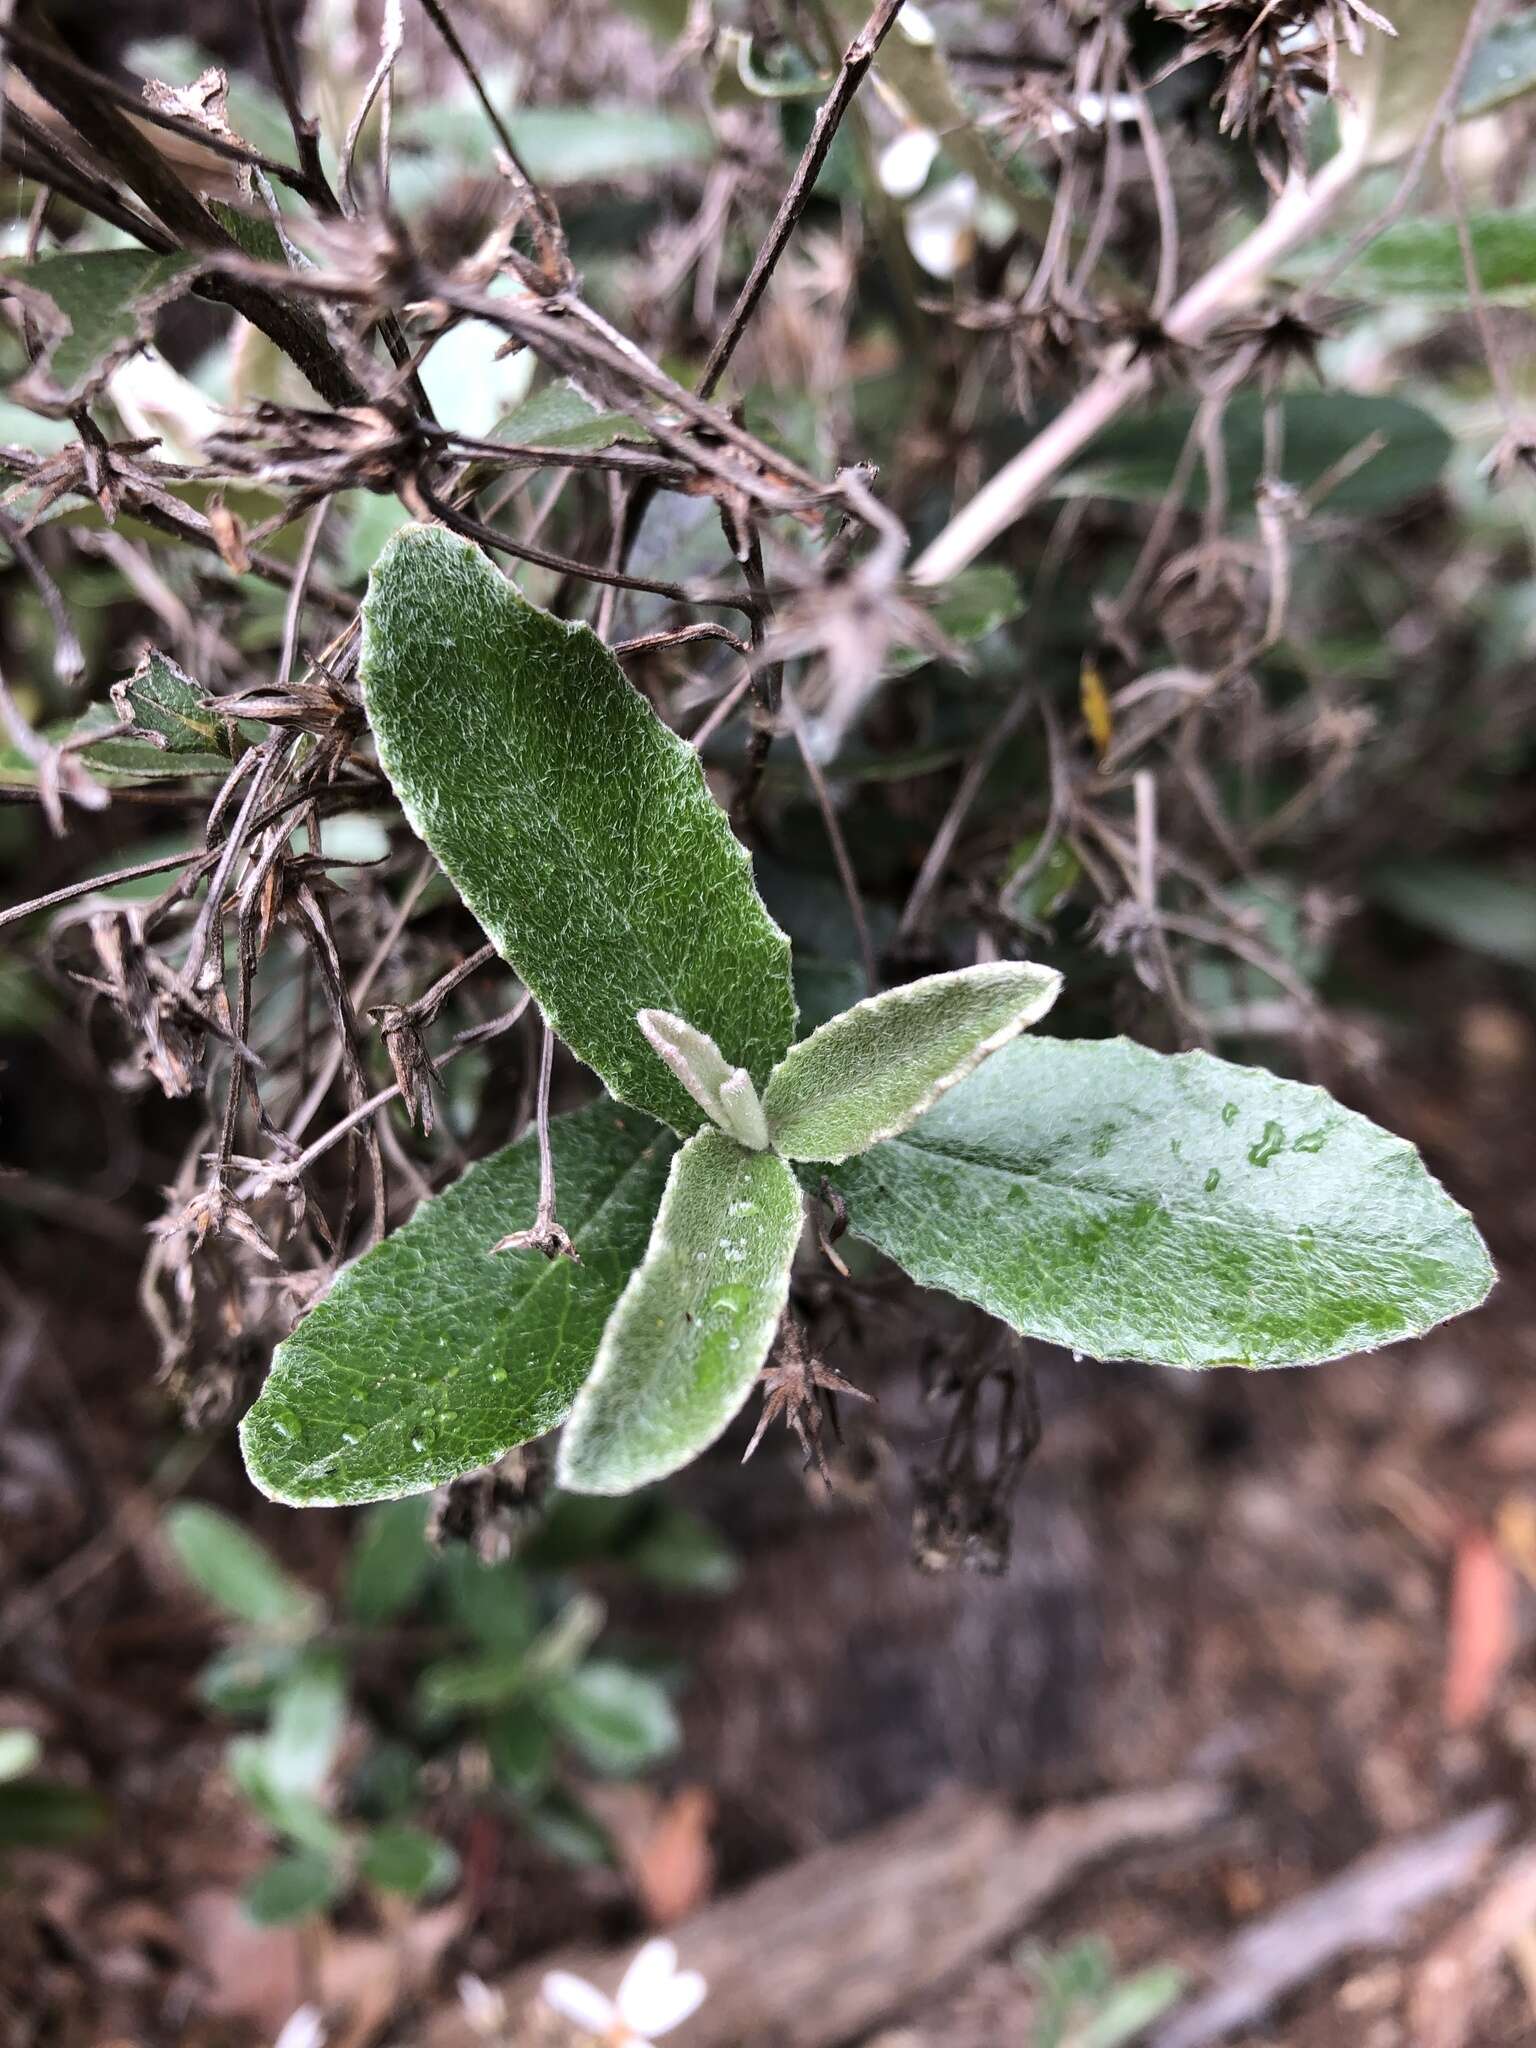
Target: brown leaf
[
  {"x": 674, "y": 1865},
  {"x": 1480, "y": 1630}
]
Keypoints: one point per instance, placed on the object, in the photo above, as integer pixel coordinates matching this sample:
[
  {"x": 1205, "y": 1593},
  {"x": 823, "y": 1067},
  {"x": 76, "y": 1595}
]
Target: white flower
[
  {"x": 654, "y": 1997},
  {"x": 485, "y": 2009},
  {"x": 303, "y": 2028},
  {"x": 906, "y": 161},
  {"x": 941, "y": 228}
]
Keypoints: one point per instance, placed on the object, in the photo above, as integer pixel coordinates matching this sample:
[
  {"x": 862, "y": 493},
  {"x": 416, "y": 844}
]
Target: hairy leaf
[
  {"x": 1179, "y": 1210},
  {"x": 724, "y": 1093},
  {"x": 429, "y": 1356},
  {"x": 694, "y": 1324},
  {"x": 576, "y": 827},
  {"x": 92, "y": 311},
  {"x": 870, "y": 1073}
]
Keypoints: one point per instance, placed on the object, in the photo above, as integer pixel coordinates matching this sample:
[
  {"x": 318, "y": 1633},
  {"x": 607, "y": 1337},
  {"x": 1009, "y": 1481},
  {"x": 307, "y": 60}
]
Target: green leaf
[
  {"x": 92, "y": 312},
  {"x": 389, "y": 1564},
  {"x": 1487, "y": 910},
  {"x": 293, "y": 1887},
  {"x": 309, "y": 1717},
  {"x": 693, "y": 1326},
  {"x": 429, "y": 1356},
  {"x": 679, "y": 1551},
  {"x": 560, "y": 145},
  {"x": 243, "y": 1678},
  {"x": 724, "y": 1093},
  {"x": 461, "y": 1685},
  {"x": 975, "y": 603},
  {"x": 567, "y": 1830},
  {"x": 408, "y": 1860},
  {"x": 1392, "y": 86},
  {"x": 1179, "y": 1210},
  {"x": 577, "y": 828},
  {"x": 297, "y": 1815},
  {"x": 1132, "y": 2006},
  {"x": 494, "y": 1602},
  {"x": 125, "y": 760},
  {"x": 1136, "y": 459},
  {"x": 1421, "y": 260},
  {"x": 870, "y": 1073},
  {"x": 1503, "y": 66},
  {"x": 36, "y": 1813},
  {"x": 561, "y": 418},
  {"x": 236, "y": 1572},
  {"x": 162, "y": 699},
  {"x": 619, "y": 1719},
  {"x": 521, "y": 1747}
]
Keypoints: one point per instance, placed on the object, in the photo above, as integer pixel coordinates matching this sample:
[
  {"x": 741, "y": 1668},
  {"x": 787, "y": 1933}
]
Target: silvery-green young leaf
[
  {"x": 693, "y": 1326},
  {"x": 871, "y": 1072},
  {"x": 576, "y": 827},
  {"x": 725, "y": 1093},
  {"x": 429, "y": 1356},
  {"x": 1179, "y": 1210}
]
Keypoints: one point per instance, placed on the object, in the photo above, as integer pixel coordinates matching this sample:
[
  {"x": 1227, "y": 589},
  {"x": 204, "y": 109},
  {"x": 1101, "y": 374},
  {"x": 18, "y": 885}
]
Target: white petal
[
  {"x": 303, "y": 2028},
  {"x": 941, "y": 227},
  {"x": 652, "y": 1967},
  {"x": 915, "y": 26},
  {"x": 906, "y": 162},
  {"x": 577, "y": 2000},
  {"x": 668, "y": 2005}
]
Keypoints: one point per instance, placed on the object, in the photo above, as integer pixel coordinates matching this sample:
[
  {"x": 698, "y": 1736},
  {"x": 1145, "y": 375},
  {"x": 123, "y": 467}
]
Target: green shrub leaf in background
[
  {"x": 236, "y": 1572},
  {"x": 408, "y": 1860},
  {"x": 1503, "y": 66},
  {"x": 429, "y": 1356},
  {"x": 92, "y": 310},
  {"x": 293, "y": 1887},
  {"x": 1488, "y": 910},
  {"x": 619, "y": 1719},
  {"x": 693, "y": 1326},
  {"x": 574, "y": 824},
  {"x": 1421, "y": 260},
  {"x": 1135, "y": 460},
  {"x": 1181, "y": 1211},
  {"x": 389, "y": 1562},
  {"x": 870, "y": 1073}
]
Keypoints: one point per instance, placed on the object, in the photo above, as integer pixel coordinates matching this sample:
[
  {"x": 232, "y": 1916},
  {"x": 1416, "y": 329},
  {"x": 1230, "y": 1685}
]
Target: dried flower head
[{"x": 1273, "y": 53}]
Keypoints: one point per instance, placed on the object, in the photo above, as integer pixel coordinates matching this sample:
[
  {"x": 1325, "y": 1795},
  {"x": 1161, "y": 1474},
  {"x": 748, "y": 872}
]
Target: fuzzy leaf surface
[
  {"x": 429, "y": 1356},
  {"x": 92, "y": 310},
  {"x": 870, "y": 1073},
  {"x": 576, "y": 827},
  {"x": 1182, "y": 1210},
  {"x": 693, "y": 1326}
]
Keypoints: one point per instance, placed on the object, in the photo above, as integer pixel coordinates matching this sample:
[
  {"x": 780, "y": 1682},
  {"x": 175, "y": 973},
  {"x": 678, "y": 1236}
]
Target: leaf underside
[
  {"x": 1182, "y": 1211},
  {"x": 871, "y": 1072},
  {"x": 429, "y": 1356},
  {"x": 695, "y": 1323},
  {"x": 573, "y": 823}
]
